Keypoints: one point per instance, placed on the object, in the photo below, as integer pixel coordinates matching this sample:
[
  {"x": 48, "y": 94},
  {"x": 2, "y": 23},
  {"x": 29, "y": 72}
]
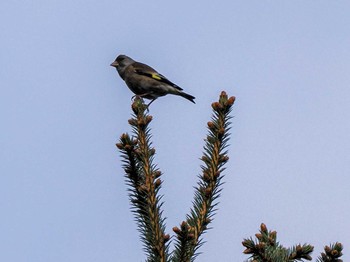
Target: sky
[{"x": 63, "y": 108}]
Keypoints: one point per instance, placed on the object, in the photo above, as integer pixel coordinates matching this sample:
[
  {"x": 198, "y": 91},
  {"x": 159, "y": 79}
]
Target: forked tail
[{"x": 187, "y": 96}]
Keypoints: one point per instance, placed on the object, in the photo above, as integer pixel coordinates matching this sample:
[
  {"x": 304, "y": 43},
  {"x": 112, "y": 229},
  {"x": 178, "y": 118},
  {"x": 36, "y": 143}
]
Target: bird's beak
[{"x": 115, "y": 64}]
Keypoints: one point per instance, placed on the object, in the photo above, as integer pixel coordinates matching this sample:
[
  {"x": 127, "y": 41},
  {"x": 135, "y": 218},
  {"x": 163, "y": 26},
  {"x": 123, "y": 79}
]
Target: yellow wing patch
[{"x": 156, "y": 76}]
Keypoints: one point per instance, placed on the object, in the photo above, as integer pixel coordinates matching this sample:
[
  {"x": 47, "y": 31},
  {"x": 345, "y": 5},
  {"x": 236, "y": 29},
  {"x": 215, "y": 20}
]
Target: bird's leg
[{"x": 150, "y": 103}]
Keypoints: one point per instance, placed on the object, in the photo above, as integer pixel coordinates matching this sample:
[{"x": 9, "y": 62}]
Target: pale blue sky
[{"x": 62, "y": 109}]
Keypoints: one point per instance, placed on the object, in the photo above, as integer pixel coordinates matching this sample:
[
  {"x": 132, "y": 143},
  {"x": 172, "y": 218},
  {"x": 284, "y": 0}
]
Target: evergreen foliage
[
  {"x": 143, "y": 179},
  {"x": 266, "y": 249}
]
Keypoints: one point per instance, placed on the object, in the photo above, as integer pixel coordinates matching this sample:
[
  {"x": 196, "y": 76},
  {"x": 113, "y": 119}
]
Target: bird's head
[{"x": 122, "y": 62}]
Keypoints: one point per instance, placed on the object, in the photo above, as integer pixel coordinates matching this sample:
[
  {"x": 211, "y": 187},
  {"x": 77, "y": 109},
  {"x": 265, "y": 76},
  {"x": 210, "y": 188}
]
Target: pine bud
[
  {"x": 141, "y": 123},
  {"x": 211, "y": 125},
  {"x": 157, "y": 174},
  {"x": 223, "y": 93},
  {"x": 231, "y": 100},
  {"x": 221, "y": 132},
  {"x": 217, "y": 174},
  {"x": 248, "y": 251},
  {"x": 124, "y": 136},
  {"x": 127, "y": 147},
  {"x": 328, "y": 250},
  {"x": 120, "y": 146},
  {"x": 273, "y": 235},
  {"x": 263, "y": 228},
  {"x": 132, "y": 122},
  {"x": 259, "y": 236},
  {"x": 216, "y": 106},
  {"x": 166, "y": 238},
  {"x": 208, "y": 191},
  {"x": 184, "y": 226},
  {"x": 148, "y": 119},
  {"x": 152, "y": 151},
  {"x": 158, "y": 183},
  {"x": 334, "y": 253},
  {"x": 206, "y": 177},
  {"x": 299, "y": 248},
  {"x": 177, "y": 230}
]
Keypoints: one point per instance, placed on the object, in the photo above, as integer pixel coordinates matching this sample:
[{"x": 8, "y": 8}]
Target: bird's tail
[{"x": 187, "y": 96}]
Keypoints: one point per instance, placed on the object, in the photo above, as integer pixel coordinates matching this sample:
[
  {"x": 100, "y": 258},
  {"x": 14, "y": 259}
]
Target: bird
[{"x": 146, "y": 82}]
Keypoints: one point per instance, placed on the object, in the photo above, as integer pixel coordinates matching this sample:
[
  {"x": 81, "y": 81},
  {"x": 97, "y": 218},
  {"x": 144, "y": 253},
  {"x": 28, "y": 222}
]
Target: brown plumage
[{"x": 146, "y": 82}]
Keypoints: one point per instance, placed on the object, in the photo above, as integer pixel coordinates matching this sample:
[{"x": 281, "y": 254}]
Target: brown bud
[
  {"x": 166, "y": 238},
  {"x": 259, "y": 236},
  {"x": 231, "y": 100},
  {"x": 263, "y": 228},
  {"x": 221, "y": 132},
  {"x": 132, "y": 122},
  {"x": 206, "y": 177},
  {"x": 273, "y": 235},
  {"x": 216, "y": 106},
  {"x": 208, "y": 191},
  {"x": 217, "y": 174},
  {"x": 152, "y": 151},
  {"x": 328, "y": 250},
  {"x": 127, "y": 147},
  {"x": 120, "y": 146},
  {"x": 141, "y": 123},
  {"x": 224, "y": 158},
  {"x": 248, "y": 251},
  {"x": 157, "y": 174},
  {"x": 177, "y": 230},
  {"x": 223, "y": 93},
  {"x": 334, "y": 253},
  {"x": 149, "y": 119},
  {"x": 205, "y": 159},
  {"x": 158, "y": 183},
  {"x": 211, "y": 125},
  {"x": 299, "y": 248},
  {"x": 184, "y": 225},
  {"x": 124, "y": 136}
]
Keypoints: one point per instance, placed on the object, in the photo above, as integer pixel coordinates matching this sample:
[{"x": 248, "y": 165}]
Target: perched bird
[{"x": 144, "y": 81}]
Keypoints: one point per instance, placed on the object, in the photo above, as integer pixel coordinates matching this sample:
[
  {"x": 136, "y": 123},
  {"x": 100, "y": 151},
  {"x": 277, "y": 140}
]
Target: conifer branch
[
  {"x": 188, "y": 236},
  {"x": 143, "y": 179},
  {"x": 267, "y": 249},
  {"x": 144, "y": 183},
  {"x": 332, "y": 253}
]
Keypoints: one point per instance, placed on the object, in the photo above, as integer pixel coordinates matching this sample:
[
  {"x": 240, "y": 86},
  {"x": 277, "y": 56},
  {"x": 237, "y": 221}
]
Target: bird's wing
[{"x": 148, "y": 71}]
